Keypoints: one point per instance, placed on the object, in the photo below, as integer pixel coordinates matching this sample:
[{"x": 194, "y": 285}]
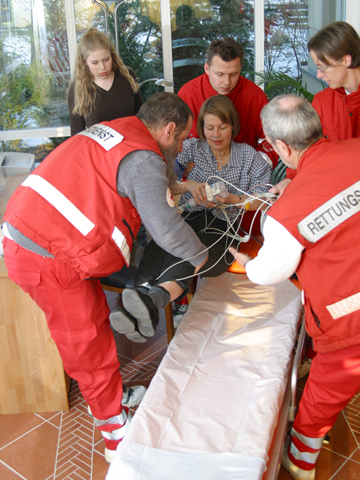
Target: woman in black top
[{"x": 103, "y": 88}]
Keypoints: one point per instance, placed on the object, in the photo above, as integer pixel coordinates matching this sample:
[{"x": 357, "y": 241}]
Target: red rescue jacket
[
  {"x": 321, "y": 209},
  {"x": 70, "y": 205}
]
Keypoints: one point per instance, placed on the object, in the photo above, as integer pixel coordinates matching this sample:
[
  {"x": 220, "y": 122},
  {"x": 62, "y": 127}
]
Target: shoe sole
[
  {"x": 134, "y": 305},
  {"x": 123, "y": 324}
]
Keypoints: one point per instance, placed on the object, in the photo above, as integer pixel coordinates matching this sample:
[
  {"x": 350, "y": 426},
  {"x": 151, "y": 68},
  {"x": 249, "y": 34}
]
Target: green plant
[{"x": 278, "y": 83}]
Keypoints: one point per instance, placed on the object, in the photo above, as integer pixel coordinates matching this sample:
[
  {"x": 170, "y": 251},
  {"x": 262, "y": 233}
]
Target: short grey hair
[{"x": 297, "y": 124}]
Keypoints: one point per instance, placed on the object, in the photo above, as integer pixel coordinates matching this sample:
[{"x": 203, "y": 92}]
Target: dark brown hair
[
  {"x": 222, "y": 107},
  {"x": 334, "y": 41},
  {"x": 164, "y": 108},
  {"x": 227, "y": 49}
]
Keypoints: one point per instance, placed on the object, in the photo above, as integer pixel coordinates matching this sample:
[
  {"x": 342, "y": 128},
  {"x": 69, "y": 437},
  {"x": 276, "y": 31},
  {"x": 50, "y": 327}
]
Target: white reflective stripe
[
  {"x": 6, "y": 232},
  {"x": 123, "y": 419},
  {"x": 121, "y": 242},
  {"x": 117, "y": 434},
  {"x": 348, "y": 305},
  {"x": 304, "y": 456},
  {"x": 331, "y": 214},
  {"x": 314, "y": 443},
  {"x": 60, "y": 203},
  {"x": 303, "y": 297}
]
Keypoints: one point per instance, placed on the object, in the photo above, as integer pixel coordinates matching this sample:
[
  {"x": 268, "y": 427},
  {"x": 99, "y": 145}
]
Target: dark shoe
[
  {"x": 140, "y": 306},
  {"x": 123, "y": 322}
]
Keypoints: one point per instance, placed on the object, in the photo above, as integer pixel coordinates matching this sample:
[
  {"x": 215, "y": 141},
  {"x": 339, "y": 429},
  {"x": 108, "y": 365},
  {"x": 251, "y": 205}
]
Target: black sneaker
[
  {"x": 140, "y": 306},
  {"x": 178, "y": 313}
]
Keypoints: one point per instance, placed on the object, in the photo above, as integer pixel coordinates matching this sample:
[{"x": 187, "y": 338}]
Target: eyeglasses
[{"x": 324, "y": 67}]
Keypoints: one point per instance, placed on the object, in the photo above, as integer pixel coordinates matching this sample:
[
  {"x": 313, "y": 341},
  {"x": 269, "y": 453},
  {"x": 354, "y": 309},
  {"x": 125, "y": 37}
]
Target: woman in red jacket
[{"x": 336, "y": 52}]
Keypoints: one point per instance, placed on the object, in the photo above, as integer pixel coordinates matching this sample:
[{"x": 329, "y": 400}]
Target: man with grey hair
[{"x": 313, "y": 229}]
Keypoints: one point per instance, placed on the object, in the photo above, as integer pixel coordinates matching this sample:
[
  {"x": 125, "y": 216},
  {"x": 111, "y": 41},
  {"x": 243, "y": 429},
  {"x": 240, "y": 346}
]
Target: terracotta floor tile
[
  {"x": 140, "y": 351},
  {"x": 78, "y": 475},
  {"x": 83, "y": 465},
  {"x": 7, "y": 474},
  {"x": 349, "y": 471},
  {"x": 64, "y": 475},
  {"x": 328, "y": 463},
  {"x": 99, "y": 447},
  {"x": 33, "y": 455},
  {"x": 100, "y": 467},
  {"x": 64, "y": 456},
  {"x": 47, "y": 415},
  {"x": 342, "y": 440},
  {"x": 56, "y": 420},
  {"x": 356, "y": 456},
  {"x": 14, "y": 426}
]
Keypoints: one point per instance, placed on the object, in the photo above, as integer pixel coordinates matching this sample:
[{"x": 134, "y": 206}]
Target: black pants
[{"x": 156, "y": 260}]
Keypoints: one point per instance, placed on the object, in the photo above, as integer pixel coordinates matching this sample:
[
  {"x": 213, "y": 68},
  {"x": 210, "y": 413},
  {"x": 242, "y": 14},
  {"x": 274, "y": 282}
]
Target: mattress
[{"x": 212, "y": 407}]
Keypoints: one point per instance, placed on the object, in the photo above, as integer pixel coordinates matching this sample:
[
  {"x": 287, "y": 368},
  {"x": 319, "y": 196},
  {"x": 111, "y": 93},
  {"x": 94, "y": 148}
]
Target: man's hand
[
  {"x": 197, "y": 190},
  {"x": 197, "y": 268},
  {"x": 280, "y": 187},
  {"x": 241, "y": 258}
]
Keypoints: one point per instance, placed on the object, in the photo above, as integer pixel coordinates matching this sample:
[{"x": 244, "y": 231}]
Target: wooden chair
[{"x": 118, "y": 281}]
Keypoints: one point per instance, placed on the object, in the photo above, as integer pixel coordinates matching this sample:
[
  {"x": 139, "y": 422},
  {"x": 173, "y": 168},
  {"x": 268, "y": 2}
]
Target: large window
[{"x": 38, "y": 40}]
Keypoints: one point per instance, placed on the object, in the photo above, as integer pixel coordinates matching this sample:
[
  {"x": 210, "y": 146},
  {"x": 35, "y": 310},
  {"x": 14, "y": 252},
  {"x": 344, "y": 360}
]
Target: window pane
[
  {"x": 286, "y": 36},
  {"x": 34, "y": 64},
  {"x": 288, "y": 27},
  {"x": 196, "y": 23}
]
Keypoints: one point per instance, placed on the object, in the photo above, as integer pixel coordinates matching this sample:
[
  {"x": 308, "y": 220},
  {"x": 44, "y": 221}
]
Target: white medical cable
[{"x": 235, "y": 236}]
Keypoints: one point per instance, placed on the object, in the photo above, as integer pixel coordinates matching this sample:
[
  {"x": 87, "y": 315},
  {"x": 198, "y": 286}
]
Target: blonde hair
[{"x": 85, "y": 89}]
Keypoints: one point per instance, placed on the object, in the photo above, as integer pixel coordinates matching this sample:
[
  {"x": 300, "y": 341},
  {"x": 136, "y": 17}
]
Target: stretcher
[{"x": 219, "y": 403}]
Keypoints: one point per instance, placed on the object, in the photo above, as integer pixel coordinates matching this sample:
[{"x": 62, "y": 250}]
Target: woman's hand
[{"x": 230, "y": 199}]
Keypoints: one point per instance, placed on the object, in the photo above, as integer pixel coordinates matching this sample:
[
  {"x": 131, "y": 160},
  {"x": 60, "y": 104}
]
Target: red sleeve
[{"x": 191, "y": 95}]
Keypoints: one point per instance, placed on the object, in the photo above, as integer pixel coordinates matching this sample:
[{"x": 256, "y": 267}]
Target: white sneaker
[
  {"x": 132, "y": 396},
  {"x": 178, "y": 313},
  {"x": 304, "y": 367},
  {"x": 296, "y": 472}
]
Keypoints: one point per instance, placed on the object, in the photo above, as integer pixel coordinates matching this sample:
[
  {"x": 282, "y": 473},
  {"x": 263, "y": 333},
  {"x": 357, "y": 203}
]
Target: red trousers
[
  {"x": 78, "y": 318},
  {"x": 334, "y": 379}
]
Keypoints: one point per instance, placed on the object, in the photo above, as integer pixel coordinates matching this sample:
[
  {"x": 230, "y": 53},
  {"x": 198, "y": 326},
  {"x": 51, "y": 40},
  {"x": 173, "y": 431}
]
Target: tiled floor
[{"x": 57, "y": 446}]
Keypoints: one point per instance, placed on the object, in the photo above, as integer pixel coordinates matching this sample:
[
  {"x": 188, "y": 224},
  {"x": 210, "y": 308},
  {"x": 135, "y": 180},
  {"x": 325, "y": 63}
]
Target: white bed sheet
[{"x": 212, "y": 407}]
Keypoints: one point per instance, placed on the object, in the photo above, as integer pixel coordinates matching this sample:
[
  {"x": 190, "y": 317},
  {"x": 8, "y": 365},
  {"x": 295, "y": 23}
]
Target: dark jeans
[{"x": 156, "y": 260}]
